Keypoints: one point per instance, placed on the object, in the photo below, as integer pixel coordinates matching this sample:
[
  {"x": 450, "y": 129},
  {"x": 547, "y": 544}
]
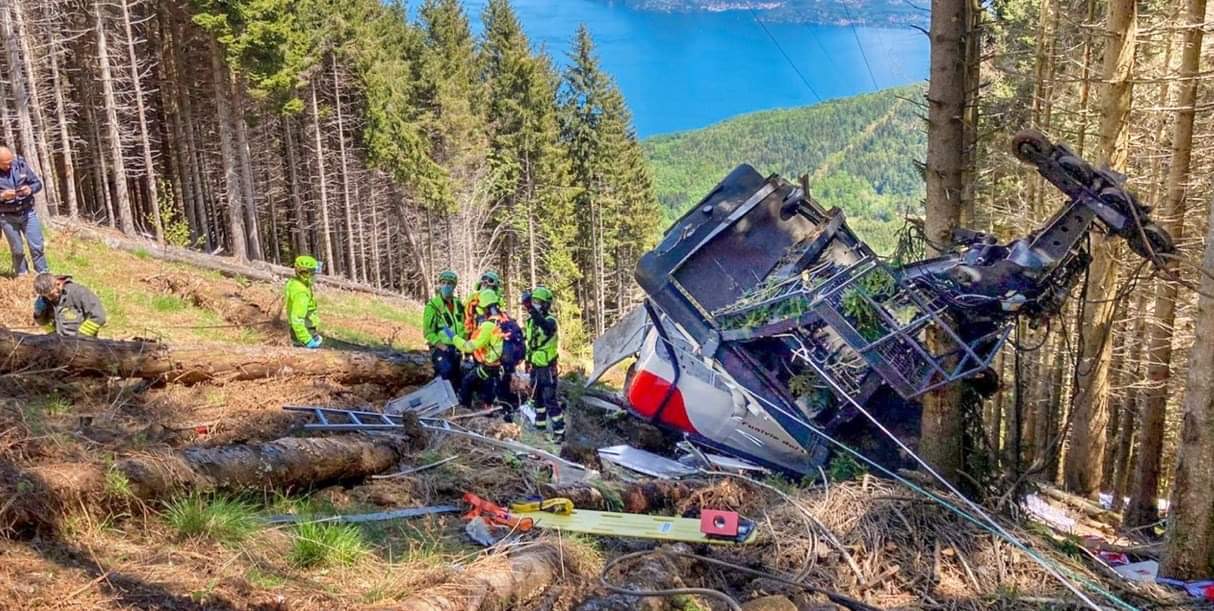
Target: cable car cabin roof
[{"x": 746, "y": 230}]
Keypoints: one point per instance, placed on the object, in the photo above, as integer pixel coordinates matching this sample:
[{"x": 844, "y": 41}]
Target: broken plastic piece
[
  {"x": 646, "y": 463},
  {"x": 430, "y": 400},
  {"x": 716, "y": 523}
]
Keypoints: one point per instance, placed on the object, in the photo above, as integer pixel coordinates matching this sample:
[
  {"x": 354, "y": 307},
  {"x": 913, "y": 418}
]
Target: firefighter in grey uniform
[{"x": 69, "y": 308}]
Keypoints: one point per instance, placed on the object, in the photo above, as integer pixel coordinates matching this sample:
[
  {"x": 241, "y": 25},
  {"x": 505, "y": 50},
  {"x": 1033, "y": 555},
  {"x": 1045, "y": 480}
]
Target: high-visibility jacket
[
  {"x": 542, "y": 341},
  {"x": 301, "y": 310},
  {"x": 470, "y": 312},
  {"x": 486, "y": 343},
  {"x": 439, "y": 315},
  {"x": 77, "y": 312}
]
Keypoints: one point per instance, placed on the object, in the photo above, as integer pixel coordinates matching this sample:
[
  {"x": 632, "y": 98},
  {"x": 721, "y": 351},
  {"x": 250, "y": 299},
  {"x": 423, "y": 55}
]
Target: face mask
[{"x": 446, "y": 291}]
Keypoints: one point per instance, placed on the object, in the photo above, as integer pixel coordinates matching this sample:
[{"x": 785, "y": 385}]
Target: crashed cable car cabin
[{"x": 768, "y": 323}]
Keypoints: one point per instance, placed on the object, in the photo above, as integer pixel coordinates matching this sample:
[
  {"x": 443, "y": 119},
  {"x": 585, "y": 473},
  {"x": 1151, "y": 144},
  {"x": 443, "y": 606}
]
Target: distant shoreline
[{"x": 878, "y": 13}]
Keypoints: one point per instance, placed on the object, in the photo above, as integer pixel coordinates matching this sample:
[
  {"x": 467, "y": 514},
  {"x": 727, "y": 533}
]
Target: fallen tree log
[
  {"x": 639, "y": 497},
  {"x": 193, "y": 364},
  {"x": 253, "y": 270},
  {"x": 493, "y": 583},
  {"x": 44, "y": 492},
  {"x": 1107, "y": 518},
  {"x": 238, "y": 305}
]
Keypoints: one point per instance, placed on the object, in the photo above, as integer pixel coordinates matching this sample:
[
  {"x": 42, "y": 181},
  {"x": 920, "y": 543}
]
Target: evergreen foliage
[{"x": 861, "y": 153}]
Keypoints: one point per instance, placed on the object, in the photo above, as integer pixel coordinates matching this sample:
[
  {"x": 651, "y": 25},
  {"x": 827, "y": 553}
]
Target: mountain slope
[{"x": 860, "y": 153}]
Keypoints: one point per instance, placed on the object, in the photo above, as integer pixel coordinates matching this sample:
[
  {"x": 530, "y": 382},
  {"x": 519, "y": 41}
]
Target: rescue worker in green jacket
[
  {"x": 301, "y": 303},
  {"x": 485, "y": 345},
  {"x": 66, "y": 307},
  {"x": 489, "y": 280},
  {"x": 540, "y": 334},
  {"x": 443, "y": 313}
]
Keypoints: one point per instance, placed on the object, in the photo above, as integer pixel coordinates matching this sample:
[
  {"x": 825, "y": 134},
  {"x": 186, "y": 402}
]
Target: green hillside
[{"x": 861, "y": 155}]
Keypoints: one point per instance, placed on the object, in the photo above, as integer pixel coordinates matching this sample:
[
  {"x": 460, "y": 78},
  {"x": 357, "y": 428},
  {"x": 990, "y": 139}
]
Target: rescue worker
[
  {"x": 301, "y": 303},
  {"x": 489, "y": 280},
  {"x": 542, "y": 345},
  {"x": 485, "y": 345},
  {"x": 442, "y": 313},
  {"x": 67, "y": 307},
  {"x": 19, "y": 222}
]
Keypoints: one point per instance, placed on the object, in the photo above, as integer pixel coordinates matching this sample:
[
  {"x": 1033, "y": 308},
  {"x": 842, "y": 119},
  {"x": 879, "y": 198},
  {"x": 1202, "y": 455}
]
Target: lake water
[{"x": 684, "y": 71}]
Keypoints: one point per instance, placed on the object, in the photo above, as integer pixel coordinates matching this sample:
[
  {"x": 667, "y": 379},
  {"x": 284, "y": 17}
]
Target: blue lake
[{"x": 684, "y": 71}]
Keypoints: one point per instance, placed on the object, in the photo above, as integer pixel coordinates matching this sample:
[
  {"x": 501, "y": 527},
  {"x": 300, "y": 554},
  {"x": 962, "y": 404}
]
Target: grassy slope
[
  {"x": 138, "y": 309},
  {"x": 861, "y": 152}
]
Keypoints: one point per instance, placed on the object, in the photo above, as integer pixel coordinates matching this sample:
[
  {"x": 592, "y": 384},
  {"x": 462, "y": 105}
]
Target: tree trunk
[
  {"x": 16, "y": 81},
  {"x": 191, "y": 365},
  {"x": 493, "y": 583},
  {"x": 246, "y": 170},
  {"x": 65, "y": 138},
  {"x": 291, "y": 462},
  {"x": 1190, "y": 540},
  {"x": 1144, "y": 493},
  {"x": 351, "y": 262},
  {"x": 326, "y": 234},
  {"x": 228, "y": 155},
  {"x": 145, "y": 138},
  {"x": 126, "y": 220},
  {"x": 1085, "y": 455},
  {"x": 49, "y": 172},
  {"x": 941, "y": 434},
  {"x": 299, "y": 230}
]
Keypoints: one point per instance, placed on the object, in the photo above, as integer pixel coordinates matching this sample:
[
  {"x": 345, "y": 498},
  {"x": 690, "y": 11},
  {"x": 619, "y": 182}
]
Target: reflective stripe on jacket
[{"x": 542, "y": 347}]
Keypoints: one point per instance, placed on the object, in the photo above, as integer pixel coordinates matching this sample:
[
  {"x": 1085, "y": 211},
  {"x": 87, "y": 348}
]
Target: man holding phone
[{"x": 18, "y": 184}]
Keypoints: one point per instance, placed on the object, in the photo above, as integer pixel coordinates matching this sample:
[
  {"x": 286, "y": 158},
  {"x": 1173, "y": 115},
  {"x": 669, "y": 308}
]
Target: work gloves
[
  {"x": 314, "y": 343},
  {"x": 40, "y": 306}
]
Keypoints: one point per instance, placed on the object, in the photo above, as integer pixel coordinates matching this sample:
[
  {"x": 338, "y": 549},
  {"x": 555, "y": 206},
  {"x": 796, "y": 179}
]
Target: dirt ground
[{"x": 867, "y": 538}]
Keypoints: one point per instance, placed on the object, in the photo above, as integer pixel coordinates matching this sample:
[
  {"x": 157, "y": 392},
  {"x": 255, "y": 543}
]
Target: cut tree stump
[
  {"x": 192, "y": 364},
  {"x": 45, "y": 492}
]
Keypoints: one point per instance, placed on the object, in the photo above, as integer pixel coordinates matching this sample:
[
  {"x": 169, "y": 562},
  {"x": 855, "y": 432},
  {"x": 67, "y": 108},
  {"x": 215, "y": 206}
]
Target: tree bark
[
  {"x": 65, "y": 138},
  {"x": 642, "y": 497},
  {"x": 126, "y": 220},
  {"x": 299, "y": 231},
  {"x": 1190, "y": 539},
  {"x": 290, "y": 462},
  {"x": 351, "y": 262},
  {"x": 326, "y": 234},
  {"x": 493, "y": 583},
  {"x": 1085, "y": 454},
  {"x": 246, "y": 171},
  {"x": 16, "y": 81},
  {"x": 229, "y": 159},
  {"x": 1143, "y": 507},
  {"x": 194, "y": 364},
  {"x": 941, "y": 432},
  {"x": 145, "y": 138}
]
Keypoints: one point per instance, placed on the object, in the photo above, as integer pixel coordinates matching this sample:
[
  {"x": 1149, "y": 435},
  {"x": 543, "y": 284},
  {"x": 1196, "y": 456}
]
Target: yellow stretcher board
[{"x": 634, "y": 525}]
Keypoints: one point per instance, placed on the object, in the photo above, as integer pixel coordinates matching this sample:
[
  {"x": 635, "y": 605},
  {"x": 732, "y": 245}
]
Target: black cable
[
  {"x": 856, "y": 34},
  {"x": 788, "y": 59}
]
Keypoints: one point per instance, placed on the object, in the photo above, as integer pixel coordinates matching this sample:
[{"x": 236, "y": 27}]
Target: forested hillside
[
  {"x": 389, "y": 148},
  {"x": 861, "y": 155}
]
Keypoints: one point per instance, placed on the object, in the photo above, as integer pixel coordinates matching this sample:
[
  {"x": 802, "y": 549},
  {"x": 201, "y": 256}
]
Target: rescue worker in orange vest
[
  {"x": 489, "y": 280},
  {"x": 485, "y": 345}
]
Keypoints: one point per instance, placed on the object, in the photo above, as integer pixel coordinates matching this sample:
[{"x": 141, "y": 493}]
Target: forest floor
[{"x": 865, "y": 538}]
